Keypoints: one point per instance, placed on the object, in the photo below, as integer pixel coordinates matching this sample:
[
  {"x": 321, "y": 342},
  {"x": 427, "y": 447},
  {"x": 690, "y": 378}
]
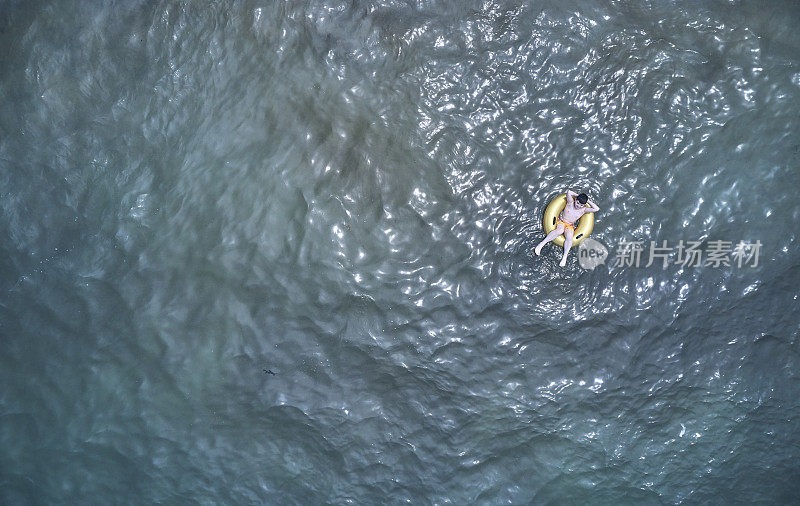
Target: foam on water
[{"x": 347, "y": 194}]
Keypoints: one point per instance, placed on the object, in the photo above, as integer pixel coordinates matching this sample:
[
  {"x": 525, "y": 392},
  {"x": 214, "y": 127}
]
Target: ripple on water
[{"x": 348, "y": 195}]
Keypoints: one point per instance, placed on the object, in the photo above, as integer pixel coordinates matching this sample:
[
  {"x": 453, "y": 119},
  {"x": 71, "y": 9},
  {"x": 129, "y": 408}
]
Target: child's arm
[
  {"x": 570, "y": 195},
  {"x": 593, "y": 208}
]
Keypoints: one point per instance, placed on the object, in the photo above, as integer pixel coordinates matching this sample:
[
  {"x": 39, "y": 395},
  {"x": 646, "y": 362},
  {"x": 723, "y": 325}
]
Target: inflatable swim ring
[{"x": 583, "y": 227}]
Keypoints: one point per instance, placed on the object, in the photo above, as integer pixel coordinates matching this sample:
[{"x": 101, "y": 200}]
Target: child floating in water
[{"x": 572, "y": 212}]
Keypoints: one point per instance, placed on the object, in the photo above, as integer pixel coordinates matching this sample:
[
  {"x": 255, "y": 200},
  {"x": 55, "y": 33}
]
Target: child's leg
[
  {"x": 552, "y": 235},
  {"x": 567, "y": 245}
]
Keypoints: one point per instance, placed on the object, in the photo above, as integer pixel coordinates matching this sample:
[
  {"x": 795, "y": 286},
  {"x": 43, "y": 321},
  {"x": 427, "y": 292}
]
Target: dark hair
[{"x": 583, "y": 198}]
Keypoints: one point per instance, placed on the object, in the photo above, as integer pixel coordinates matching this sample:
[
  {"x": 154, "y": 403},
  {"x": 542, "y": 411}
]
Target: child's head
[{"x": 583, "y": 199}]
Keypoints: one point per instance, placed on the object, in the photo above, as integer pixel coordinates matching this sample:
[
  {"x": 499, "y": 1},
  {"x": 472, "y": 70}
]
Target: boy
[{"x": 566, "y": 222}]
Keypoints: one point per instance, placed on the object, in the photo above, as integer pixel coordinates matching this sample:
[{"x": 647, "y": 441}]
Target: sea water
[{"x": 281, "y": 252}]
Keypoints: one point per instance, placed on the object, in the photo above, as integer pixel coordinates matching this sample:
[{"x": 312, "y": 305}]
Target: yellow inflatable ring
[{"x": 583, "y": 228}]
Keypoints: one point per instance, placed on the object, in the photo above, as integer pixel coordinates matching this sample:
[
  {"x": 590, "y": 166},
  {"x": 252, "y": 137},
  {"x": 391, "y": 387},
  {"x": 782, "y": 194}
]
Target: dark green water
[{"x": 347, "y": 194}]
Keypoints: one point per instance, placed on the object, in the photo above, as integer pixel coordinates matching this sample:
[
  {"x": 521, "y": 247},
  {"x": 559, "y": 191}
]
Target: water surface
[{"x": 347, "y": 194}]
